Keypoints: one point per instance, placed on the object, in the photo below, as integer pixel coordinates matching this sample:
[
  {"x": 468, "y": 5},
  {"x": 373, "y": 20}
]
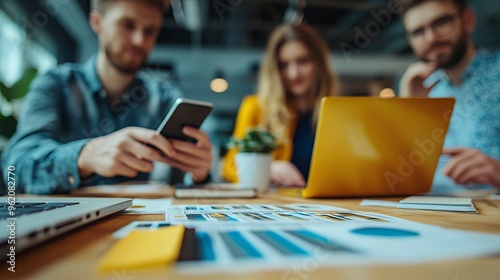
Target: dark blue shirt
[
  {"x": 303, "y": 142},
  {"x": 67, "y": 107}
]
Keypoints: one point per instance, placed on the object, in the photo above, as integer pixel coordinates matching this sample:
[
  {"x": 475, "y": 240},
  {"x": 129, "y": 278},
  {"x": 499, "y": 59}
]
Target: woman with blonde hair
[{"x": 294, "y": 75}]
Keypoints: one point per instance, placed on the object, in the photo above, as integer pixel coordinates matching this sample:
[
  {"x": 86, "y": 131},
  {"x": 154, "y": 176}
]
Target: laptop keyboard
[{"x": 26, "y": 208}]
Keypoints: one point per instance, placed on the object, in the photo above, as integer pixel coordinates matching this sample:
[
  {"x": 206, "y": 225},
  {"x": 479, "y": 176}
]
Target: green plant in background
[
  {"x": 257, "y": 140},
  {"x": 17, "y": 91}
]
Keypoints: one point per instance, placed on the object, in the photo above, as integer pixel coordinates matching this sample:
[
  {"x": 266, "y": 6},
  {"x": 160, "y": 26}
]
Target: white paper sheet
[
  {"x": 318, "y": 235},
  {"x": 382, "y": 203},
  {"x": 143, "y": 206},
  {"x": 342, "y": 246}
]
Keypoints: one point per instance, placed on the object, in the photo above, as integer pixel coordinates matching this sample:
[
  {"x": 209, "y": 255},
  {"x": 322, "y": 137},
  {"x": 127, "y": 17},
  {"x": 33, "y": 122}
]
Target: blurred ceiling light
[
  {"x": 295, "y": 11},
  {"x": 387, "y": 93},
  {"x": 219, "y": 84}
]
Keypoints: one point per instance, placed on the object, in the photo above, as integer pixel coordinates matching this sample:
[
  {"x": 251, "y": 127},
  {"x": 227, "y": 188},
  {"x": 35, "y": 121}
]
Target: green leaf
[
  {"x": 21, "y": 87},
  {"x": 3, "y": 88},
  {"x": 257, "y": 140},
  {"x": 7, "y": 125}
]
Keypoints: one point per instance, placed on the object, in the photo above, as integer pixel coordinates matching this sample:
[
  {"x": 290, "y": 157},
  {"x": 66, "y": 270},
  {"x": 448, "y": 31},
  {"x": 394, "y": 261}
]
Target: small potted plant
[{"x": 253, "y": 160}]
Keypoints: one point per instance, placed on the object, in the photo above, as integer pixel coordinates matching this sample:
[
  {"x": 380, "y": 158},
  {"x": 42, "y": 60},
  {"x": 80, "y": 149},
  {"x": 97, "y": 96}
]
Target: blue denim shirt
[
  {"x": 67, "y": 107},
  {"x": 475, "y": 122}
]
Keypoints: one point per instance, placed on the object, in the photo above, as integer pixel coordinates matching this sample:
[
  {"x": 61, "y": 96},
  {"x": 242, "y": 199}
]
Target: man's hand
[
  {"x": 411, "y": 84},
  {"x": 195, "y": 159},
  {"x": 123, "y": 153},
  {"x": 284, "y": 173},
  {"x": 472, "y": 166}
]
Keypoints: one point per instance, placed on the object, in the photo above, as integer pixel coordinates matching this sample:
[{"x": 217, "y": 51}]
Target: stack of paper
[{"x": 438, "y": 203}]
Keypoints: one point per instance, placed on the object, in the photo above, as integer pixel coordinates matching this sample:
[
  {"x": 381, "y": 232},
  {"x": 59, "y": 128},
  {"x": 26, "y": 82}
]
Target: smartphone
[{"x": 184, "y": 112}]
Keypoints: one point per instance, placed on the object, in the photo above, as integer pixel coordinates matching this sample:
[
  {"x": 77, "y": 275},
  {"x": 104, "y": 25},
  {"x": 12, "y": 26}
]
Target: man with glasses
[{"x": 439, "y": 32}]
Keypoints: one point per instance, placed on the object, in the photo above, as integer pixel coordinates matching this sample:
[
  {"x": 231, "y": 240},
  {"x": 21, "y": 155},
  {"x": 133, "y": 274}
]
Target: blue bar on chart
[
  {"x": 280, "y": 243},
  {"x": 239, "y": 246},
  {"x": 319, "y": 240}
]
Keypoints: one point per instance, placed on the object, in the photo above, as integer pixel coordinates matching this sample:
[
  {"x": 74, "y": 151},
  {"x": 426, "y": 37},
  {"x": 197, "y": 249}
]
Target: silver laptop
[{"x": 33, "y": 220}]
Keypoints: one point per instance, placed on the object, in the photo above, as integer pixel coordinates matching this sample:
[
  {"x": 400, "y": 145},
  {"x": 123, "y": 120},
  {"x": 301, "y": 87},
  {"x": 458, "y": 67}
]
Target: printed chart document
[{"x": 263, "y": 236}]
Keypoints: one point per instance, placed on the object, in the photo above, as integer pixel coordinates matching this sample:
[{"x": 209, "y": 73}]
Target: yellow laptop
[{"x": 377, "y": 147}]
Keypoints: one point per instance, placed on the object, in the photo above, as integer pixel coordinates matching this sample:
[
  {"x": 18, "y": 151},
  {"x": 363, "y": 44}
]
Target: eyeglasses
[{"x": 441, "y": 27}]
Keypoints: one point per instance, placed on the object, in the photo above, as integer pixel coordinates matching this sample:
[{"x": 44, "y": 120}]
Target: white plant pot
[{"x": 254, "y": 170}]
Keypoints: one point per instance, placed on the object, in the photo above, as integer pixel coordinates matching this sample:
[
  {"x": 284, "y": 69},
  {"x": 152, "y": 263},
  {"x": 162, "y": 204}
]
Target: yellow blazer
[{"x": 250, "y": 115}]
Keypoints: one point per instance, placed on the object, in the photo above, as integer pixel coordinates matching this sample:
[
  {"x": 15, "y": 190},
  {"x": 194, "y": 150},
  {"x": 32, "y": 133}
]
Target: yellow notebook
[{"x": 145, "y": 248}]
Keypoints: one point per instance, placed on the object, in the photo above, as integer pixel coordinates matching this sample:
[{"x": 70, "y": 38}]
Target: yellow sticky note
[{"x": 145, "y": 248}]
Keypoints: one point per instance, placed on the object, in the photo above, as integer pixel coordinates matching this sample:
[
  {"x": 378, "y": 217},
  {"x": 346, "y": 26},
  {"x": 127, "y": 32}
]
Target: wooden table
[{"x": 75, "y": 255}]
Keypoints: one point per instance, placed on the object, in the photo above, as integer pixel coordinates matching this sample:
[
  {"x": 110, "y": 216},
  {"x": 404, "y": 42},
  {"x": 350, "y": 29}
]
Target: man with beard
[
  {"x": 439, "y": 32},
  {"x": 93, "y": 123}
]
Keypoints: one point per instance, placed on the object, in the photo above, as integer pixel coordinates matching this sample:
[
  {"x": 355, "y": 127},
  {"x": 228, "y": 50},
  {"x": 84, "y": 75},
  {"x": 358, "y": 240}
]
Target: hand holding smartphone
[{"x": 184, "y": 112}]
